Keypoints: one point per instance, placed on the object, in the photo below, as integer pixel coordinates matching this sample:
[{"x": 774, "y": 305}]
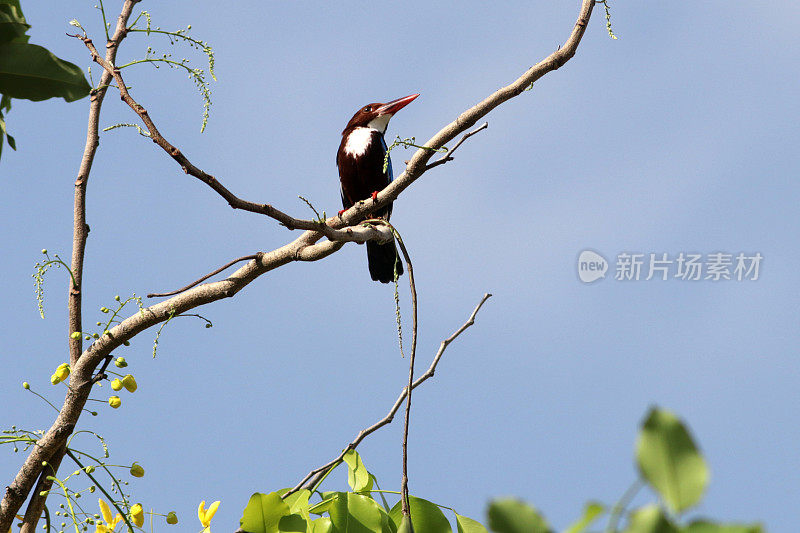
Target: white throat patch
[
  {"x": 379, "y": 123},
  {"x": 358, "y": 141}
]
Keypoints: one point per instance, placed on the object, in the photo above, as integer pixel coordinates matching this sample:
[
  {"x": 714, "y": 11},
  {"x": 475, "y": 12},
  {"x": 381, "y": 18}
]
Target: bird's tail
[{"x": 383, "y": 260}]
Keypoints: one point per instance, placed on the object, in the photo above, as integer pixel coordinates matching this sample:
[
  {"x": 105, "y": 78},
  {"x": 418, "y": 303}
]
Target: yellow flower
[
  {"x": 63, "y": 371},
  {"x": 114, "y": 401},
  {"x": 137, "y": 515},
  {"x": 111, "y": 523},
  {"x": 129, "y": 382},
  {"x": 205, "y": 515}
]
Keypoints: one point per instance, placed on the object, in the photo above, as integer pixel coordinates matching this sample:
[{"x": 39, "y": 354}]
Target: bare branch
[
  {"x": 199, "y": 281},
  {"x": 449, "y": 156},
  {"x": 315, "y": 475},
  {"x": 406, "y": 509}
]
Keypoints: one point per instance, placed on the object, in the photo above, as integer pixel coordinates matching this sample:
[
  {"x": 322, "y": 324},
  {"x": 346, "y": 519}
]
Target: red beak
[{"x": 394, "y": 106}]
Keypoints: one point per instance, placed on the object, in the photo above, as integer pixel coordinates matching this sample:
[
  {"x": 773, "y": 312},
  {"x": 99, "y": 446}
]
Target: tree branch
[
  {"x": 449, "y": 155},
  {"x": 406, "y": 507},
  {"x": 315, "y": 475},
  {"x": 18, "y": 490},
  {"x": 304, "y": 248}
]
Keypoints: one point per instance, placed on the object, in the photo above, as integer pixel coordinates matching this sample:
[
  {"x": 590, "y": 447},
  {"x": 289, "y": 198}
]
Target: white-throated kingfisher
[{"x": 360, "y": 160}]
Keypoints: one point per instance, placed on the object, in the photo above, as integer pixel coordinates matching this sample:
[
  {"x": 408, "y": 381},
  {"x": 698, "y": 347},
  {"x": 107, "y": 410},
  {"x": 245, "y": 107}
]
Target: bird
[{"x": 360, "y": 161}]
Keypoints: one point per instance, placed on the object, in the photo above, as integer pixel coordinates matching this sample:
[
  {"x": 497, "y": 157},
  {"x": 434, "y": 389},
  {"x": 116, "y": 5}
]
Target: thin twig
[
  {"x": 449, "y": 156},
  {"x": 311, "y": 477},
  {"x": 406, "y": 508},
  {"x": 257, "y": 257}
]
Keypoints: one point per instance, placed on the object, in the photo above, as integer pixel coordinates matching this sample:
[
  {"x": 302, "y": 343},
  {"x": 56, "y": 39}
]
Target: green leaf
[
  {"x": 320, "y": 525},
  {"x": 357, "y": 475},
  {"x": 510, "y": 515},
  {"x": 405, "y": 525},
  {"x": 426, "y": 517},
  {"x": 591, "y": 512},
  {"x": 12, "y": 21},
  {"x": 32, "y": 72},
  {"x": 706, "y": 526},
  {"x": 292, "y": 523},
  {"x": 649, "y": 519},
  {"x": 670, "y": 461},
  {"x": 354, "y": 513},
  {"x": 468, "y": 525},
  {"x": 328, "y": 500},
  {"x": 298, "y": 502},
  {"x": 263, "y": 513}
]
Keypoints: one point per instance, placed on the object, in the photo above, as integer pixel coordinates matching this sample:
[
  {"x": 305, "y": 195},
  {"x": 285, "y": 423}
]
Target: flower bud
[
  {"x": 114, "y": 401},
  {"x": 62, "y": 371},
  {"x": 75, "y": 334},
  {"x": 89, "y": 469},
  {"x": 129, "y": 382},
  {"x": 116, "y": 385},
  {"x": 172, "y": 518},
  {"x": 54, "y": 379},
  {"x": 120, "y": 362},
  {"x": 137, "y": 515},
  {"x": 26, "y": 385},
  {"x": 137, "y": 470}
]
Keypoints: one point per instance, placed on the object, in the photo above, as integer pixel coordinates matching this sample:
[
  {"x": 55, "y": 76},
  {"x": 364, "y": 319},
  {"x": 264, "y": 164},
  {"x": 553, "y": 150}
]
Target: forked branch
[{"x": 315, "y": 475}]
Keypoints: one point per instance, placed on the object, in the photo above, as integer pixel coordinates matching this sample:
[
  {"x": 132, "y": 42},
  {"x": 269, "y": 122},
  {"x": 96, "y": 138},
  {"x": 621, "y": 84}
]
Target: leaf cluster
[
  {"x": 669, "y": 463},
  {"x": 30, "y": 71}
]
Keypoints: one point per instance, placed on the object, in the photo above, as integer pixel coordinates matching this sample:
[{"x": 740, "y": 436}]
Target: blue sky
[{"x": 681, "y": 136}]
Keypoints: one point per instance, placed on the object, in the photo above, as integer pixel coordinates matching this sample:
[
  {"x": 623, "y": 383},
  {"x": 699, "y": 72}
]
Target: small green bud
[
  {"x": 75, "y": 334},
  {"x": 92, "y": 489},
  {"x": 117, "y": 298},
  {"x": 137, "y": 470},
  {"x": 99, "y": 323},
  {"x": 104, "y": 309},
  {"x": 89, "y": 469},
  {"x": 26, "y": 385},
  {"x": 44, "y": 493},
  {"x": 44, "y": 250},
  {"x": 96, "y": 335},
  {"x": 120, "y": 362},
  {"x": 76, "y": 495},
  {"x": 126, "y": 343},
  {"x": 172, "y": 518},
  {"x": 87, "y": 337}
]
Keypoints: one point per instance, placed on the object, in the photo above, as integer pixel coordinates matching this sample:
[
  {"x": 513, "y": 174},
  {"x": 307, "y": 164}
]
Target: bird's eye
[{"x": 367, "y": 109}]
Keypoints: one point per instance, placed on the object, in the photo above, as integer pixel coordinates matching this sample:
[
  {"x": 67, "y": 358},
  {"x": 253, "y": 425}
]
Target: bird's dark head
[{"x": 376, "y": 116}]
